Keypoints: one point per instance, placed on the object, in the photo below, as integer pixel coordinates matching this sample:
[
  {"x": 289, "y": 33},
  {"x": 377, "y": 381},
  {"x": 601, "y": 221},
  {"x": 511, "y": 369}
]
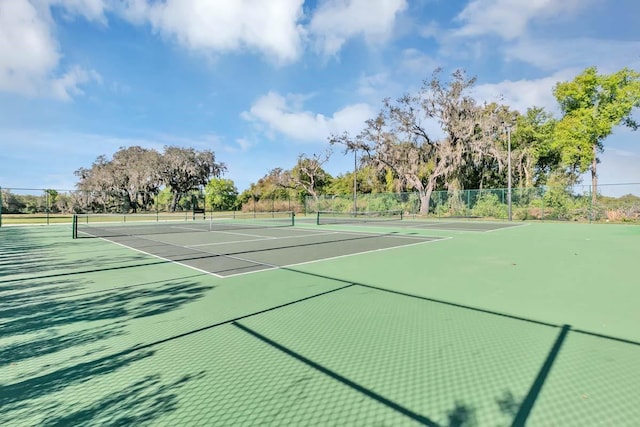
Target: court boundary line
[
  {"x": 214, "y": 231},
  {"x": 371, "y": 233},
  {"x": 258, "y": 240},
  {"x": 288, "y": 266},
  {"x": 162, "y": 258},
  {"x": 269, "y": 266},
  {"x": 392, "y": 224},
  {"x": 465, "y": 230},
  {"x": 523, "y": 224}
]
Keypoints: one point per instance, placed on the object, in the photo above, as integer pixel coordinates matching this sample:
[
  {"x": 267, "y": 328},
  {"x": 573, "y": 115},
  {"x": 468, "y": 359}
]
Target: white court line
[
  {"x": 259, "y": 240},
  {"x": 507, "y": 228},
  {"x": 379, "y": 234},
  {"x": 272, "y": 266},
  {"x": 183, "y": 247},
  {"x": 242, "y": 234},
  {"x": 442, "y": 227},
  {"x": 162, "y": 258},
  {"x": 223, "y": 231},
  {"x": 340, "y": 256},
  {"x": 187, "y": 228}
]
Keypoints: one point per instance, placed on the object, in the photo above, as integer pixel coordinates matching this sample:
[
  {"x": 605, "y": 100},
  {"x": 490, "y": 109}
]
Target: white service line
[
  {"x": 223, "y": 231},
  {"x": 511, "y": 226},
  {"x": 197, "y": 250},
  {"x": 340, "y": 256},
  {"x": 380, "y": 234},
  {"x": 258, "y": 240},
  {"x": 162, "y": 258},
  {"x": 188, "y": 228},
  {"x": 242, "y": 234}
]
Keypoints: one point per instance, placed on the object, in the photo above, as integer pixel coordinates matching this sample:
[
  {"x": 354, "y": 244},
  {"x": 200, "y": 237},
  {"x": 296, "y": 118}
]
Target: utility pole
[
  {"x": 355, "y": 182},
  {"x": 507, "y": 127}
]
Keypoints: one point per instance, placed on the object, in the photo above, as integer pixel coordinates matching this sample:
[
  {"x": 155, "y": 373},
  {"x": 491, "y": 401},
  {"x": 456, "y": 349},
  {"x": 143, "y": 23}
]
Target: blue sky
[{"x": 260, "y": 82}]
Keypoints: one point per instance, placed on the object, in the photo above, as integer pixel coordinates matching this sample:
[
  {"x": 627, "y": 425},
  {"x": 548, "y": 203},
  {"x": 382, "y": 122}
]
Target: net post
[
  {"x": 318, "y": 218},
  {"x": 74, "y": 227},
  {"x": 293, "y": 218},
  {"x": 401, "y": 215}
]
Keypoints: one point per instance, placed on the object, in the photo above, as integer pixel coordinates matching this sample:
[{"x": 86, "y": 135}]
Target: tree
[
  {"x": 221, "y": 193},
  {"x": 12, "y": 203},
  {"x": 129, "y": 180},
  {"x": 532, "y": 147},
  {"x": 592, "y": 105},
  {"x": 51, "y": 200},
  {"x": 308, "y": 174},
  {"x": 398, "y": 138},
  {"x": 275, "y": 185},
  {"x": 185, "y": 169}
]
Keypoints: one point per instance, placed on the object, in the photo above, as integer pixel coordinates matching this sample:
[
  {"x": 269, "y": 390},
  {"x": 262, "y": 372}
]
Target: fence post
[{"x": 590, "y": 205}]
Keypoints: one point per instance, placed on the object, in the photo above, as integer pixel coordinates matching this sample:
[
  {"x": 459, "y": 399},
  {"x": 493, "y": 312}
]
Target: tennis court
[
  {"x": 230, "y": 246},
  {"x": 396, "y": 218},
  {"x": 340, "y": 324}
]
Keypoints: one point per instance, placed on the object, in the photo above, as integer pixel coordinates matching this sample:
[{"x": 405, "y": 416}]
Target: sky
[{"x": 261, "y": 82}]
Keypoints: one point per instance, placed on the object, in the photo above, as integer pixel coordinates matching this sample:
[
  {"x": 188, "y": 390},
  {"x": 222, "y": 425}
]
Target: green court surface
[{"x": 455, "y": 323}]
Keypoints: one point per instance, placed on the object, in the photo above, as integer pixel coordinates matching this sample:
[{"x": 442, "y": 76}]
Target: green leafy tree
[
  {"x": 534, "y": 156},
  {"x": 592, "y": 105},
  {"x": 275, "y": 186},
  {"x": 186, "y": 169},
  {"x": 12, "y": 203},
  {"x": 51, "y": 200},
  {"x": 340, "y": 185},
  {"x": 221, "y": 194}
]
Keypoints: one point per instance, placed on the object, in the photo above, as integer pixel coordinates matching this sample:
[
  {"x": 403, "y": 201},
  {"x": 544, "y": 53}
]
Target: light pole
[
  {"x": 507, "y": 128},
  {"x": 355, "y": 182}
]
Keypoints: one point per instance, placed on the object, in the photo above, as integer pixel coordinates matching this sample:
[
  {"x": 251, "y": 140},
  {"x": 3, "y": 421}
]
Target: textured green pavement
[{"x": 484, "y": 328}]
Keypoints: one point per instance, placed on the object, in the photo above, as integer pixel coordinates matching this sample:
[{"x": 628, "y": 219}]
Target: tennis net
[
  {"x": 114, "y": 225},
  {"x": 330, "y": 217}
]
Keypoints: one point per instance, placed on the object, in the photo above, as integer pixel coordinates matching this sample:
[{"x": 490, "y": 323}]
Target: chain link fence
[
  {"x": 611, "y": 203},
  {"x": 49, "y": 206}
]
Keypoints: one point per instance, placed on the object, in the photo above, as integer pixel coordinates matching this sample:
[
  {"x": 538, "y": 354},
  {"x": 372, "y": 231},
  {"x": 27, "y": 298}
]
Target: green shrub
[{"x": 488, "y": 205}]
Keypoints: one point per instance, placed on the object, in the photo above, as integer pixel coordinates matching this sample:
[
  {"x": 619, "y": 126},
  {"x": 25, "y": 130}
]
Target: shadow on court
[
  {"x": 55, "y": 330},
  {"x": 356, "y": 354}
]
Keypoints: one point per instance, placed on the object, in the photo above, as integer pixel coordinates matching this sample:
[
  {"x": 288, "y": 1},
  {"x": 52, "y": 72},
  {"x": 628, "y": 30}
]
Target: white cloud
[
  {"x": 335, "y": 21},
  {"x": 276, "y": 114},
  {"x": 521, "y": 94},
  {"x": 244, "y": 144},
  {"x": 66, "y": 86},
  {"x": 25, "y": 28},
  {"x": 430, "y": 30},
  {"x": 270, "y": 27},
  {"x": 371, "y": 84},
  {"x": 619, "y": 167},
  {"x": 417, "y": 62},
  {"x": 91, "y": 10},
  {"x": 553, "y": 54},
  {"x": 509, "y": 19}
]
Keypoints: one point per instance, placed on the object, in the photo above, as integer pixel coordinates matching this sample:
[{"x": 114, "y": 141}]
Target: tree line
[
  {"x": 438, "y": 138},
  {"x": 135, "y": 176},
  {"x": 399, "y": 150}
]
